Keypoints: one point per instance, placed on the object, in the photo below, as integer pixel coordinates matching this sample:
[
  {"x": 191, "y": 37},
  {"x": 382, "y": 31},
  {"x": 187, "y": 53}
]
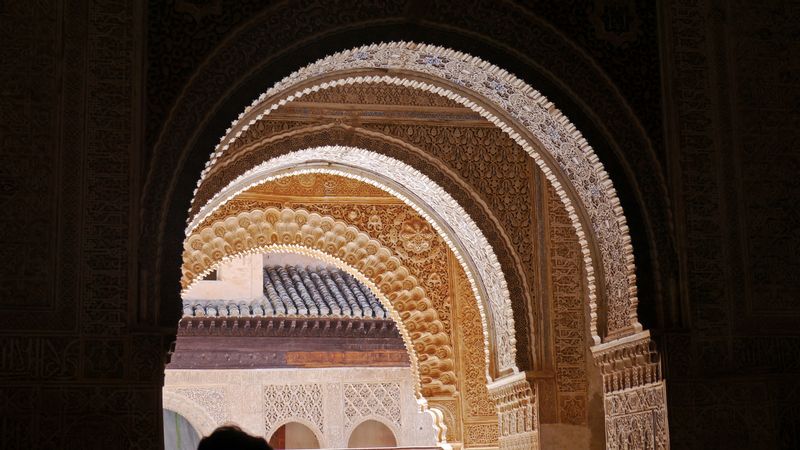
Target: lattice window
[
  {"x": 300, "y": 401},
  {"x": 367, "y": 399}
]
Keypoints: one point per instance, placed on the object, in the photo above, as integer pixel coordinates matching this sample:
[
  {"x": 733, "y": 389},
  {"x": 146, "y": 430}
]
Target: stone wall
[
  {"x": 76, "y": 369},
  {"x": 332, "y": 402},
  {"x": 238, "y": 279},
  {"x": 732, "y": 360}
]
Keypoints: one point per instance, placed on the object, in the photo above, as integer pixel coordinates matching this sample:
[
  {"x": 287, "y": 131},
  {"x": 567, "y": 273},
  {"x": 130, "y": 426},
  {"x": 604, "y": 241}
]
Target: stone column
[
  {"x": 517, "y": 412},
  {"x": 635, "y": 399}
]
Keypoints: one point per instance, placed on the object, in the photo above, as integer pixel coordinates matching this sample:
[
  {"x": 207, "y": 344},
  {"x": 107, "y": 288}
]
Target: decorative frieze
[
  {"x": 635, "y": 393},
  {"x": 287, "y": 327},
  {"x": 517, "y": 411},
  {"x": 331, "y": 402},
  {"x": 628, "y": 362}
]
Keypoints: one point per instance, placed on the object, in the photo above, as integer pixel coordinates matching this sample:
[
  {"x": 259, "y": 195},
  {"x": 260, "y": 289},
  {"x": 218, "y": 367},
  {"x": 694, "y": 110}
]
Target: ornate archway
[
  {"x": 346, "y": 247},
  {"x": 622, "y": 350},
  {"x": 434, "y": 204},
  {"x": 557, "y": 147},
  {"x": 310, "y": 427},
  {"x": 198, "y": 414}
]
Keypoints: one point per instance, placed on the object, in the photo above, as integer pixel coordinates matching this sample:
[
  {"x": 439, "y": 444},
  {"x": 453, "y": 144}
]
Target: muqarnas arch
[
  {"x": 334, "y": 242},
  {"x": 338, "y": 244},
  {"x": 401, "y": 228},
  {"x": 427, "y": 198},
  {"x": 633, "y": 381}
]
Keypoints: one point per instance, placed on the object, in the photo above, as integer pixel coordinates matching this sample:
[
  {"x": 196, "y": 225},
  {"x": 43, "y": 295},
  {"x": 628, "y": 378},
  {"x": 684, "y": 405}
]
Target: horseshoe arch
[
  {"x": 433, "y": 203},
  {"x": 621, "y": 348}
]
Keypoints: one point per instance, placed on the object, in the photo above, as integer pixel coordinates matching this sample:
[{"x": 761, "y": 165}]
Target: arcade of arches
[
  {"x": 599, "y": 250},
  {"x": 520, "y": 325}
]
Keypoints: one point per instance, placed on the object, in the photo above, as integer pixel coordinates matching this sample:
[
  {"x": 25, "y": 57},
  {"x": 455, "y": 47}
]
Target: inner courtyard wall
[
  {"x": 332, "y": 401},
  {"x": 238, "y": 279}
]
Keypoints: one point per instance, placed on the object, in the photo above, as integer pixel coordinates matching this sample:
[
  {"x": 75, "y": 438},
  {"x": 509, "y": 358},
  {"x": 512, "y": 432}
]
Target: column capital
[
  {"x": 518, "y": 412},
  {"x": 628, "y": 362}
]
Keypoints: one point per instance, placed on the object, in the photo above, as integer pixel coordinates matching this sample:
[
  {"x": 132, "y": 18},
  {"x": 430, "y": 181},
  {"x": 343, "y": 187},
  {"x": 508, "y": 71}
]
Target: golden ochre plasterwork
[
  {"x": 320, "y": 187},
  {"x": 429, "y": 200},
  {"x": 540, "y": 129},
  {"x": 343, "y": 245},
  {"x": 396, "y": 226},
  {"x": 568, "y": 315}
]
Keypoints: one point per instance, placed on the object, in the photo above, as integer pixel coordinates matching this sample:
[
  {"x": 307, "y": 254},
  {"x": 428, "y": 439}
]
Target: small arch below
[
  {"x": 293, "y": 435},
  {"x": 179, "y": 433},
  {"x": 371, "y": 434}
]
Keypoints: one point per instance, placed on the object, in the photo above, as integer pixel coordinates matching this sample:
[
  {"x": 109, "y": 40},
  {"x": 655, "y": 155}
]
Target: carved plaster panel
[
  {"x": 197, "y": 413},
  {"x": 568, "y": 315},
  {"x": 553, "y": 142},
  {"x": 316, "y": 185},
  {"x": 363, "y": 400},
  {"x": 475, "y": 396},
  {"x": 518, "y": 413},
  {"x": 292, "y": 402},
  {"x": 206, "y": 407},
  {"x": 480, "y": 435},
  {"x": 635, "y": 393},
  {"x": 637, "y": 418}
]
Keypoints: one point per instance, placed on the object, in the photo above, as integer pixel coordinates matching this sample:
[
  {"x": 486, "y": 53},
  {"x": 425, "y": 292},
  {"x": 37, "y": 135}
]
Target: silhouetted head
[{"x": 231, "y": 437}]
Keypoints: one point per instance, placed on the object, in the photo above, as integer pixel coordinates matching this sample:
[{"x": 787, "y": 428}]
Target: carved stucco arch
[
  {"x": 257, "y": 151},
  {"x": 398, "y": 434},
  {"x": 558, "y": 148},
  {"x": 196, "y": 414},
  {"x": 344, "y": 246},
  {"x": 455, "y": 226},
  {"x": 323, "y": 443}
]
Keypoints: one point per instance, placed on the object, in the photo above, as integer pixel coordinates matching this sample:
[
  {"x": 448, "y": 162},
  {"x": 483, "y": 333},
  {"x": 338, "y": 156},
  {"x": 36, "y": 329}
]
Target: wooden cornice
[{"x": 296, "y": 327}]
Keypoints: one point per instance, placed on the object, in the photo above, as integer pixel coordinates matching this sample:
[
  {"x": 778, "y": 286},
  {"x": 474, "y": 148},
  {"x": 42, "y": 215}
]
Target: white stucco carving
[{"x": 260, "y": 401}]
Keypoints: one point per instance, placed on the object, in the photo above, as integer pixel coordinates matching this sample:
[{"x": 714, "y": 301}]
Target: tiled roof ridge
[{"x": 296, "y": 290}]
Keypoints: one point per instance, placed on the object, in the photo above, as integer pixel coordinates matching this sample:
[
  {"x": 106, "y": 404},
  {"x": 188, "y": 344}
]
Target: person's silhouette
[{"x": 231, "y": 437}]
